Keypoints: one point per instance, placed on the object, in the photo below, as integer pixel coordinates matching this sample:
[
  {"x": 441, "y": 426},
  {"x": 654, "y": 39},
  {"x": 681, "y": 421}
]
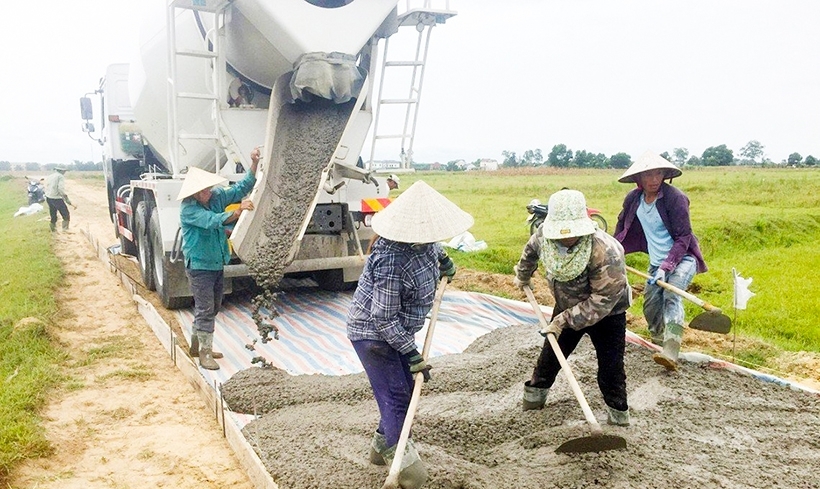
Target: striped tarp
[{"x": 312, "y": 337}]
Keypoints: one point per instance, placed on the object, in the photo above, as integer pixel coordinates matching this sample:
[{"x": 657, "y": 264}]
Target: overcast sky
[{"x": 600, "y": 75}]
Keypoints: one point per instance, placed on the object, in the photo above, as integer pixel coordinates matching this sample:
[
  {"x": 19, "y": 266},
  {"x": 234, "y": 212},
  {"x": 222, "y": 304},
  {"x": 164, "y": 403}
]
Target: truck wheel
[
  {"x": 599, "y": 219},
  {"x": 144, "y": 255},
  {"x": 167, "y": 276},
  {"x": 333, "y": 280}
]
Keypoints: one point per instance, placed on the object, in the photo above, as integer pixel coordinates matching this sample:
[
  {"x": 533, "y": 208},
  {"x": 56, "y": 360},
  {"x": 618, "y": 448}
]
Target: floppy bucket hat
[
  {"x": 421, "y": 215},
  {"x": 649, "y": 161},
  {"x": 198, "y": 179},
  {"x": 567, "y": 216},
  {"x": 60, "y": 168}
]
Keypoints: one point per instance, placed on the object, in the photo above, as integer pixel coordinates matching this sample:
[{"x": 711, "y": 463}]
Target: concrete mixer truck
[{"x": 217, "y": 78}]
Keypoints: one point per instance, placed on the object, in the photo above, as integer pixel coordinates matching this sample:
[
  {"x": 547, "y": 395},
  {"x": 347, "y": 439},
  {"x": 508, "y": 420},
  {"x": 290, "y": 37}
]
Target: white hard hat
[{"x": 394, "y": 177}]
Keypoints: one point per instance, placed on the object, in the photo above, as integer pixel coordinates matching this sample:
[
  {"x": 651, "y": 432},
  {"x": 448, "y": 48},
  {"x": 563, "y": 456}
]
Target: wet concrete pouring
[
  {"x": 698, "y": 427},
  {"x": 307, "y": 135}
]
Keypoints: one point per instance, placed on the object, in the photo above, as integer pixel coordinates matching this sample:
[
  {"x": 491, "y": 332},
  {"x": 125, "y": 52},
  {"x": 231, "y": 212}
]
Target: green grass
[
  {"x": 763, "y": 222},
  {"x": 29, "y": 360}
]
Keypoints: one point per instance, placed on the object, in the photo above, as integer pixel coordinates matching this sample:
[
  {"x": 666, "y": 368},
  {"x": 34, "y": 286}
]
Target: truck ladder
[
  {"x": 215, "y": 57},
  {"x": 423, "y": 18}
]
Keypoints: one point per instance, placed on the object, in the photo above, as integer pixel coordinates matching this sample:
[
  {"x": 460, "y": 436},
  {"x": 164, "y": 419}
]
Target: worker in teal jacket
[{"x": 205, "y": 225}]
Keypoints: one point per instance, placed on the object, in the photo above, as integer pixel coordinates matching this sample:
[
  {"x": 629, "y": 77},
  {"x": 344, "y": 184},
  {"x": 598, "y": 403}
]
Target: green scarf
[{"x": 565, "y": 267}]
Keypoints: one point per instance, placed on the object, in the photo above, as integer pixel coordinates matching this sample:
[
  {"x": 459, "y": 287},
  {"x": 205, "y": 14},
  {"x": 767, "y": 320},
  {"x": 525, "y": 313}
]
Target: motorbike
[
  {"x": 36, "y": 192},
  {"x": 538, "y": 212}
]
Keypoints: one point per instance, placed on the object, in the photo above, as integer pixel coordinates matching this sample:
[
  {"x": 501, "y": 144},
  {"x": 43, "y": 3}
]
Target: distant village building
[
  {"x": 386, "y": 165},
  {"x": 488, "y": 164}
]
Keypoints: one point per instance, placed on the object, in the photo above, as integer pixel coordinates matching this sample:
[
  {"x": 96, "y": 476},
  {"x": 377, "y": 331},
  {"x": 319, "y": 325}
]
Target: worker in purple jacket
[{"x": 655, "y": 220}]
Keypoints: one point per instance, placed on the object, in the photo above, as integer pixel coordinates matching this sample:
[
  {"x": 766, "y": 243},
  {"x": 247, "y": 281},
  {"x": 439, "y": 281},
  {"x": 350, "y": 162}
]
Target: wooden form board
[{"x": 248, "y": 459}]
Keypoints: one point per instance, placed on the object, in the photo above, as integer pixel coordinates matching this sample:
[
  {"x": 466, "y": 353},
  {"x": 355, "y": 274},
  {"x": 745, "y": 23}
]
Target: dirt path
[{"x": 127, "y": 418}]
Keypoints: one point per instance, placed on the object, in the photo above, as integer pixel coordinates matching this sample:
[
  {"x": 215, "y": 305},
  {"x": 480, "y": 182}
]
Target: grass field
[
  {"x": 29, "y": 358},
  {"x": 763, "y": 222}
]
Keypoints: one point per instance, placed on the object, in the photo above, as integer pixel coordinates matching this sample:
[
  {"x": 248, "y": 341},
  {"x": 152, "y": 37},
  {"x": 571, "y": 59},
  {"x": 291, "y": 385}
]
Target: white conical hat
[
  {"x": 649, "y": 161},
  {"x": 421, "y": 215},
  {"x": 198, "y": 179}
]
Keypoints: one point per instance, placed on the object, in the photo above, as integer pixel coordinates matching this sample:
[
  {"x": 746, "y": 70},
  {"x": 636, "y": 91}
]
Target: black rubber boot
[
  {"x": 413, "y": 474},
  {"x": 534, "y": 397},
  {"x": 377, "y": 447}
]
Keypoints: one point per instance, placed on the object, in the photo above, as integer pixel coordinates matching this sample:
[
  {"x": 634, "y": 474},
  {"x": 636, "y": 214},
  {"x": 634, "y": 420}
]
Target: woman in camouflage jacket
[{"x": 586, "y": 273}]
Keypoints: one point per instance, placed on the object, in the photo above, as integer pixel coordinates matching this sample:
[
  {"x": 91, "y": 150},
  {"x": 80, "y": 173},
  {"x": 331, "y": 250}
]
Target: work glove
[
  {"x": 417, "y": 364},
  {"x": 447, "y": 268},
  {"x": 660, "y": 274},
  {"x": 552, "y": 328},
  {"x": 519, "y": 280}
]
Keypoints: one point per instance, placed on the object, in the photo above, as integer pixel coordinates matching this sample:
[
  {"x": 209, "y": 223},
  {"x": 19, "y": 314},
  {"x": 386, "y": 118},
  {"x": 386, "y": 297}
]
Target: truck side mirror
[{"x": 86, "y": 112}]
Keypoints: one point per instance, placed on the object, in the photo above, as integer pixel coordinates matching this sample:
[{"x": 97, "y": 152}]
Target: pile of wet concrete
[{"x": 698, "y": 427}]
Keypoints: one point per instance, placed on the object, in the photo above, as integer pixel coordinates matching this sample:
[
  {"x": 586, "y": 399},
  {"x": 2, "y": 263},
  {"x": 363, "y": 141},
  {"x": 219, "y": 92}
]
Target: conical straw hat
[
  {"x": 649, "y": 161},
  {"x": 198, "y": 179},
  {"x": 421, "y": 215}
]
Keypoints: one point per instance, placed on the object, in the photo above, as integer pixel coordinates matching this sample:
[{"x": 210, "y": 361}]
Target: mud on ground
[{"x": 699, "y": 427}]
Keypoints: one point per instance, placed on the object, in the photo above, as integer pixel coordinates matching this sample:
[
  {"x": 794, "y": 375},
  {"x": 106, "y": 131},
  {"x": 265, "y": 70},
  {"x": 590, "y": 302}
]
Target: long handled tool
[
  {"x": 713, "y": 320},
  {"x": 392, "y": 481},
  {"x": 598, "y": 441}
]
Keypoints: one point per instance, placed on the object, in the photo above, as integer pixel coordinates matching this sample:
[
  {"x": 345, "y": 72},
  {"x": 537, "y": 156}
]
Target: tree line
[
  {"x": 77, "y": 165},
  {"x": 562, "y": 157}
]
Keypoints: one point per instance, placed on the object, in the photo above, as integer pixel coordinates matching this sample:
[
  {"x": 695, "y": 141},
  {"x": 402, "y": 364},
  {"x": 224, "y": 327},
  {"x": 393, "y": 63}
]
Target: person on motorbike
[
  {"x": 655, "y": 220},
  {"x": 36, "y": 193}
]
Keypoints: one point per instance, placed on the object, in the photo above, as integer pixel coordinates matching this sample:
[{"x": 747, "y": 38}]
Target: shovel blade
[
  {"x": 594, "y": 443},
  {"x": 712, "y": 321}
]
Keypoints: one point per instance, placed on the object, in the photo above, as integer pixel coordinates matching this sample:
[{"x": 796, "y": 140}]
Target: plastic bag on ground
[
  {"x": 466, "y": 242},
  {"x": 29, "y": 210}
]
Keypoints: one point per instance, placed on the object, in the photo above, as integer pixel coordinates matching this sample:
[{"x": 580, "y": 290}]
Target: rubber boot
[
  {"x": 671, "y": 347},
  {"x": 53, "y": 226},
  {"x": 413, "y": 474},
  {"x": 377, "y": 447},
  {"x": 65, "y": 226},
  {"x": 193, "y": 350},
  {"x": 534, "y": 397},
  {"x": 206, "y": 358},
  {"x": 618, "y": 418}
]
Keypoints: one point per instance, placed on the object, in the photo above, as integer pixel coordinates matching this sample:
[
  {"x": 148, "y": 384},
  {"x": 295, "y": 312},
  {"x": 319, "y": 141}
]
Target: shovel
[
  {"x": 598, "y": 441},
  {"x": 392, "y": 481},
  {"x": 713, "y": 320}
]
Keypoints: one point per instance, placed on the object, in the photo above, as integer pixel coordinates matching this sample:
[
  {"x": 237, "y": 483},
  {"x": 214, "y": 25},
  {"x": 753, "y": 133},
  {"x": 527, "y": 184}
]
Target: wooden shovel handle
[
  {"x": 576, "y": 389},
  {"x": 682, "y": 293},
  {"x": 392, "y": 480}
]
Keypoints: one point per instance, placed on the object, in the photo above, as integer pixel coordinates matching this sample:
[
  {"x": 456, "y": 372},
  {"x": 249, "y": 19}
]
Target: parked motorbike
[
  {"x": 36, "y": 192},
  {"x": 538, "y": 212}
]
